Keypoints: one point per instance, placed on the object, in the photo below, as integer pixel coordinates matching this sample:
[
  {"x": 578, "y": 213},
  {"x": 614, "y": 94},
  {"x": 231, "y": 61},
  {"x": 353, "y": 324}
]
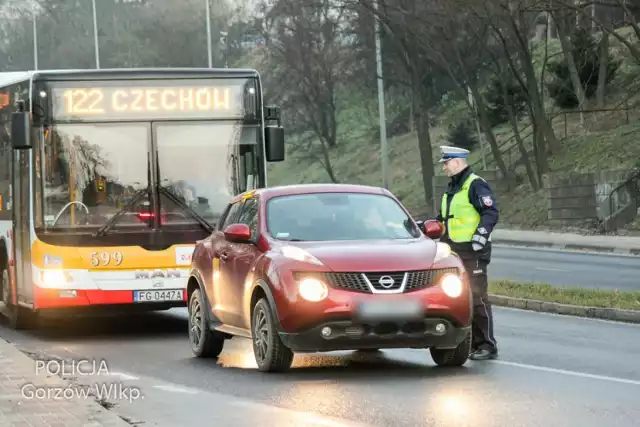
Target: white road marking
[
  {"x": 124, "y": 376},
  {"x": 565, "y": 372},
  {"x": 303, "y": 418},
  {"x": 550, "y": 269},
  {"x": 176, "y": 389},
  {"x": 307, "y": 418}
]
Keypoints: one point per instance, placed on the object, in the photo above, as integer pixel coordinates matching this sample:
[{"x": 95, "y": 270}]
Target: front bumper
[
  {"x": 350, "y": 335},
  {"x": 53, "y": 299}
]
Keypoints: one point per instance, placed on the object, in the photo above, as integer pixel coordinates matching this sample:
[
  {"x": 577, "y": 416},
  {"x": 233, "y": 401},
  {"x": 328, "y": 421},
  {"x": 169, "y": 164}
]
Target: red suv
[{"x": 312, "y": 268}]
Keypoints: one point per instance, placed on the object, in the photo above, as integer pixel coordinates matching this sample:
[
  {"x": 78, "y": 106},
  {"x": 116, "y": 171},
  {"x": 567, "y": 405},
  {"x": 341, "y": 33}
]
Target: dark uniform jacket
[{"x": 482, "y": 198}]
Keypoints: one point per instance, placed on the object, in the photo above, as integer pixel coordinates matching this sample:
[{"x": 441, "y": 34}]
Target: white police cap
[{"x": 449, "y": 153}]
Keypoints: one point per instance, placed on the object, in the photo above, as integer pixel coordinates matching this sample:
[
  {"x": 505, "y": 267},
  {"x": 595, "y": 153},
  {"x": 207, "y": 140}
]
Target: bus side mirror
[
  {"x": 20, "y": 126},
  {"x": 274, "y": 140}
]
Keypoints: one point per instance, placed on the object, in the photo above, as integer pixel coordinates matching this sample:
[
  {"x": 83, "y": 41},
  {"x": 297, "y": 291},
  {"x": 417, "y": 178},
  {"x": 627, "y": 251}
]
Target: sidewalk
[
  {"x": 19, "y": 409},
  {"x": 610, "y": 244}
]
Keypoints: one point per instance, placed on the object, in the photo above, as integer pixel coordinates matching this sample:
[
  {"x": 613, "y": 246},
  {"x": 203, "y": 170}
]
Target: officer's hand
[{"x": 479, "y": 239}]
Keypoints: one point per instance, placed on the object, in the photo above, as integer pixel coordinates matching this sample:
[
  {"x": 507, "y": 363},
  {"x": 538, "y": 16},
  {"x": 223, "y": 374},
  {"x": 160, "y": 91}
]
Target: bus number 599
[{"x": 105, "y": 258}]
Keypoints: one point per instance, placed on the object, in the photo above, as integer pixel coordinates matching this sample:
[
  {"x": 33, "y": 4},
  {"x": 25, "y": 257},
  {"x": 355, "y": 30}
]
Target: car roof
[{"x": 296, "y": 189}]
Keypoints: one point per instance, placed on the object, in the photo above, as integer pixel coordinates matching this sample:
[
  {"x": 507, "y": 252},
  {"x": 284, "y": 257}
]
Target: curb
[
  {"x": 567, "y": 246},
  {"x": 618, "y": 315}
]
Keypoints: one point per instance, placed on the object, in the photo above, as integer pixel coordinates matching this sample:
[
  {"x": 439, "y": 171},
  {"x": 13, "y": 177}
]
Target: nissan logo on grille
[{"x": 386, "y": 281}]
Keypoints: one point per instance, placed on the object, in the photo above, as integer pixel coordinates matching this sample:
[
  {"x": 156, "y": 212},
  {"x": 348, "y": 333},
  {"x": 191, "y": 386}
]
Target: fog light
[
  {"x": 440, "y": 328},
  {"x": 353, "y": 330},
  {"x": 326, "y": 331},
  {"x": 451, "y": 285}
]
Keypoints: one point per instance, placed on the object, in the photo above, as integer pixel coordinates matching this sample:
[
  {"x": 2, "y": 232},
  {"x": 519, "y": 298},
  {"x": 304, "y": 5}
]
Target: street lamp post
[
  {"x": 35, "y": 41},
  {"x": 209, "y": 47},
  {"x": 384, "y": 147},
  {"x": 95, "y": 34}
]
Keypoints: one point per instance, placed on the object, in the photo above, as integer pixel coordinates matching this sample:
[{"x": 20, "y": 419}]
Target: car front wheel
[
  {"x": 452, "y": 357},
  {"x": 204, "y": 342},
  {"x": 270, "y": 353}
]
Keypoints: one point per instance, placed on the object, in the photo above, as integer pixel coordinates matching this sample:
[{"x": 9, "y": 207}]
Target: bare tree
[
  {"x": 307, "y": 44},
  {"x": 464, "y": 56},
  {"x": 512, "y": 23}
]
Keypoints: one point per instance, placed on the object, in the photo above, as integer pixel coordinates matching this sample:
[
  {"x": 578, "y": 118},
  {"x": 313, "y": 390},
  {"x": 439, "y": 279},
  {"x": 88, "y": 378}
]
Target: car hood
[{"x": 373, "y": 255}]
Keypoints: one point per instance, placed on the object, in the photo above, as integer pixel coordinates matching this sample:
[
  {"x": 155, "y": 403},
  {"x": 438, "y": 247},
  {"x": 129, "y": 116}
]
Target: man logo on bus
[{"x": 155, "y": 274}]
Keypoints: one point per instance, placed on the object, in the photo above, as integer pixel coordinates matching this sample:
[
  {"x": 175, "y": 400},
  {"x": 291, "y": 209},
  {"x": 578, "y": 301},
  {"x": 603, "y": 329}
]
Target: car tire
[
  {"x": 452, "y": 357},
  {"x": 270, "y": 353},
  {"x": 204, "y": 342}
]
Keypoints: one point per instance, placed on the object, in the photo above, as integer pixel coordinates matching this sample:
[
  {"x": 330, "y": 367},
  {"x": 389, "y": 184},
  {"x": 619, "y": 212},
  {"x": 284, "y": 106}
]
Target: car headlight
[
  {"x": 313, "y": 290},
  {"x": 443, "y": 251},
  {"x": 451, "y": 285},
  {"x": 299, "y": 254}
]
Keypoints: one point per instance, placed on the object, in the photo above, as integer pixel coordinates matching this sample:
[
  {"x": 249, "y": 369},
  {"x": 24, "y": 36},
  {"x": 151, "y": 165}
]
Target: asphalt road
[
  {"x": 567, "y": 269},
  {"x": 553, "y": 371}
]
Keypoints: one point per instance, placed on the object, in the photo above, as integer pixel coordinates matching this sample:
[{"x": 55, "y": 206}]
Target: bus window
[
  {"x": 90, "y": 170},
  {"x": 200, "y": 163}
]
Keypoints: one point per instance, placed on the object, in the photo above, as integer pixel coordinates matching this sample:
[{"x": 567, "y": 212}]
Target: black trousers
[{"x": 482, "y": 328}]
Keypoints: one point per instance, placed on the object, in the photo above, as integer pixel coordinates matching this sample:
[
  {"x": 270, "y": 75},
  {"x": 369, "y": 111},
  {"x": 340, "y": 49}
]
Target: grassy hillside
[{"x": 610, "y": 142}]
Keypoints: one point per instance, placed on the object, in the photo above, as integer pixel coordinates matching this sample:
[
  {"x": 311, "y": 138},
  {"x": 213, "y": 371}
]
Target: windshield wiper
[
  {"x": 109, "y": 224},
  {"x": 169, "y": 195}
]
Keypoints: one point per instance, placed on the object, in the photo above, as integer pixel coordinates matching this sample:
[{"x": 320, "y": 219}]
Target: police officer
[{"x": 469, "y": 213}]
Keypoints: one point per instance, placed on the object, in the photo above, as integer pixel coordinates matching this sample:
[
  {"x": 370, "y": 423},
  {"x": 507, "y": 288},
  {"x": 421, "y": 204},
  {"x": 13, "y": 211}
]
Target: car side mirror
[
  {"x": 433, "y": 229},
  {"x": 238, "y": 233},
  {"x": 20, "y": 126}
]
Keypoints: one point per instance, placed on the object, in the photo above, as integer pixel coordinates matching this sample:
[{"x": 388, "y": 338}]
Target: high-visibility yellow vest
[{"x": 463, "y": 218}]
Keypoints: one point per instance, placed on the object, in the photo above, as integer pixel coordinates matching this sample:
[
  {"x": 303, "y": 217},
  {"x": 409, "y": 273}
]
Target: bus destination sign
[{"x": 102, "y": 103}]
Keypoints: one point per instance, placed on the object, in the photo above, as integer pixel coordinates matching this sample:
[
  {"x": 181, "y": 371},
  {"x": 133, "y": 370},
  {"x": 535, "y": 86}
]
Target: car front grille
[{"x": 379, "y": 281}]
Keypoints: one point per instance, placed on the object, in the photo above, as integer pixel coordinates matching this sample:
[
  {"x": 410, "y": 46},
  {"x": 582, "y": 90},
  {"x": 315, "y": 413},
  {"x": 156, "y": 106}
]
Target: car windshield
[{"x": 338, "y": 216}]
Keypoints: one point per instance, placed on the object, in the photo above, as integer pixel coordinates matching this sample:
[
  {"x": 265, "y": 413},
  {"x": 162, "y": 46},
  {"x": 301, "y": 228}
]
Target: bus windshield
[{"x": 99, "y": 176}]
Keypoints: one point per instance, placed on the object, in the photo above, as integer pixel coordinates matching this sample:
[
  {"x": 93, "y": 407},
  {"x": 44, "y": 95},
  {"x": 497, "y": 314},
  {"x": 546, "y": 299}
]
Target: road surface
[
  {"x": 568, "y": 269},
  {"x": 553, "y": 371}
]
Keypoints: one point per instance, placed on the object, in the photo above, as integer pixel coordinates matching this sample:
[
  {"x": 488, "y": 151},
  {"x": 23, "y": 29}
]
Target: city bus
[{"x": 108, "y": 178}]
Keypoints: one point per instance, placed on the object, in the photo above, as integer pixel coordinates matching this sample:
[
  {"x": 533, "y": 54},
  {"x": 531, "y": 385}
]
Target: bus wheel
[
  {"x": 22, "y": 318},
  {"x": 19, "y": 317}
]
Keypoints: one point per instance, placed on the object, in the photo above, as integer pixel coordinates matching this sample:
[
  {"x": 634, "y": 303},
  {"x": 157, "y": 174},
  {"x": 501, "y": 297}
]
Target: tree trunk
[
  {"x": 421, "y": 120},
  {"x": 565, "y": 42},
  {"x": 491, "y": 137},
  {"x": 516, "y": 134},
  {"x": 327, "y": 162},
  {"x": 602, "y": 70},
  {"x": 539, "y": 115}
]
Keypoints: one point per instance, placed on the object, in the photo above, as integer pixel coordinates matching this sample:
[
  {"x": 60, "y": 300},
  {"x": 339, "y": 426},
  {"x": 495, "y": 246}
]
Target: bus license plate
[{"x": 158, "y": 296}]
